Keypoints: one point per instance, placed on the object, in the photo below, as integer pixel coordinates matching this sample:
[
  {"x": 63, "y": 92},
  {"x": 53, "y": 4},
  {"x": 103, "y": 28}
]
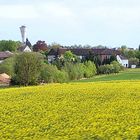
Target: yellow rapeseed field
[{"x": 76, "y": 111}]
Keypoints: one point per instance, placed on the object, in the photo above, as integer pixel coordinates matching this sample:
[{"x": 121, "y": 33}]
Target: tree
[
  {"x": 9, "y": 45},
  {"x": 133, "y": 61},
  {"x": 138, "y": 55},
  {"x": 27, "y": 68},
  {"x": 90, "y": 69},
  {"x": 123, "y": 50},
  {"x": 131, "y": 54},
  {"x": 7, "y": 66},
  {"x": 55, "y": 45},
  {"x": 116, "y": 67},
  {"x": 69, "y": 56},
  {"x": 40, "y": 46}
]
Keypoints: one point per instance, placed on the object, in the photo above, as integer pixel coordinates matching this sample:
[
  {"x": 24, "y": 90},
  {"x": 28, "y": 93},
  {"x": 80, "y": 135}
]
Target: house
[
  {"x": 25, "y": 47},
  {"x": 103, "y": 53},
  {"x": 5, "y": 55},
  {"x": 123, "y": 61}
]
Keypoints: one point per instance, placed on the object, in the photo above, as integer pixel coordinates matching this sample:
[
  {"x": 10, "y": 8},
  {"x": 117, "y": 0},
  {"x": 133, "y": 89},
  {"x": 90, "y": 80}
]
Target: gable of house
[{"x": 25, "y": 48}]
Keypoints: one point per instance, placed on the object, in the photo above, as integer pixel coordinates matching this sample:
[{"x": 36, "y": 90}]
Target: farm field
[
  {"x": 129, "y": 74},
  {"x": 75, "y": 111}
]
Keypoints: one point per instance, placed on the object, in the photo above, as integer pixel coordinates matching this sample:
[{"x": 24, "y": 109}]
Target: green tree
[
  {"x": 116, "y": 67},
  {"x": 131, "y": 54},
  {"x": 90, "y": 69},
  {"x": 9, "y": 45},
  {"x": 69, "y": 56},
  {"x": 27, "y": 68},
  {"x": 7, "y": 66},
  {"x": 138, "y": 55},
  {"x": 133, "y": 61},
  {"x": 50, "y": 74}
]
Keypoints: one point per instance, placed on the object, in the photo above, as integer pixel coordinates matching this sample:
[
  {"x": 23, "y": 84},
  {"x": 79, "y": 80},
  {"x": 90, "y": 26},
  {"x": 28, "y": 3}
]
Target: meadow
[
  {"x": 74, "y": 111},
  {"x": 128, "y": 74}
]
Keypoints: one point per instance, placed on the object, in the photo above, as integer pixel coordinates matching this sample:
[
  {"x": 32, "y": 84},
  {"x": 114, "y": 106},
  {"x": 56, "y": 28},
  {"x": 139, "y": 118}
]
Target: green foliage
[
  {"x": 72, "y": 70},
  {"x": 131, "y": 54},
  {"x": 89, "y": 69},
  {"x": 50, "y": 74},
  {"x": 116, "y": 67},
  {"x": 7, "y": 66},
  {"x": 69, "y": 56},
  {"x": 9, "y": 45},
  {"x": 27, "y": 68},
  {"x": 55, "y": 45},
  {"x": 127, "y": 74},
  {"x": 106, "y": 69},
  {"x": 59, "y": 62},
  {"x": 133, "y": 61},
  {"x": 80, "y": 70}
]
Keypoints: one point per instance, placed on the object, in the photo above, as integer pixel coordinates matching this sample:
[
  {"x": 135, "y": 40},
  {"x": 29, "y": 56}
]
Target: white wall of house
[
  {"x": 80, "y": 56},
  {"x": 27, "y": 49},
  {"x": 123, "y": 62},
  {"x": 1, "y": 61},
  {"x": 51, "y": 58}
]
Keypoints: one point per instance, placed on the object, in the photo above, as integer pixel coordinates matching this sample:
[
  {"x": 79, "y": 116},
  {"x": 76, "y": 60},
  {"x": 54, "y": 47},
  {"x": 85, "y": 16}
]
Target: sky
[{"x": 110, "y": 23}]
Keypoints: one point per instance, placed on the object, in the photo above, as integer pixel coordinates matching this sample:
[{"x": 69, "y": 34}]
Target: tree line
[{"x": 30, "y": 68}]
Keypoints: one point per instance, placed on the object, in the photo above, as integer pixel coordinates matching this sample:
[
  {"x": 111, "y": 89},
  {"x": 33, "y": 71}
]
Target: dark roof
[
  {"x": 22, "y": 48},
  {"x": 106, "y": 51},
  {"x": 53, "y": 52},
  {"x": 84, "y": 51},
  {"x": 76, "y": 51},
  {"x": 123, "y": 58},
  {"x": 4, "y": 55}
]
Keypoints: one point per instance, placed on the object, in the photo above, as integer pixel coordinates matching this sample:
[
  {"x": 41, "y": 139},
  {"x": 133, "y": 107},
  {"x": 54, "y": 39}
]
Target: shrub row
[
  {"x": 70, "y": 71},
  {"x": 114, "y": 67}
]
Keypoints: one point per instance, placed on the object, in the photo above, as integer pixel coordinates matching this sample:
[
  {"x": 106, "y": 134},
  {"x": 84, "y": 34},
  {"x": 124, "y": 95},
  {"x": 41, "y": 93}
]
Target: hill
[{"x": 99, "y": 110}]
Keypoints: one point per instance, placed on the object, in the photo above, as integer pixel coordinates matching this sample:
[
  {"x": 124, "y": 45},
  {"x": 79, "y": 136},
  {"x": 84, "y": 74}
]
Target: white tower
[{"x": 23, "y": 34}]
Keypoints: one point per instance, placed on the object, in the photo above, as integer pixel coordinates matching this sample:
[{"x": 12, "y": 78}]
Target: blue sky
[{"x": 95, "y": 22}]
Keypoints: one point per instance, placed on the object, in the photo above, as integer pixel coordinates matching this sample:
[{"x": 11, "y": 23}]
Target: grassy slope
[
  {"x": 131, "y": 74},
  {"x": 71, "y": 111}
]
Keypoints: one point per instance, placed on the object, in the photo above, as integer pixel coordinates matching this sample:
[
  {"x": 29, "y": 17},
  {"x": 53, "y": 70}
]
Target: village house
[
  {"x": 25, "y": 47},
  {"x": 82, "y": 53},
  {"x": 102, "y": 53},
  {"x": 123, "y": 61}
]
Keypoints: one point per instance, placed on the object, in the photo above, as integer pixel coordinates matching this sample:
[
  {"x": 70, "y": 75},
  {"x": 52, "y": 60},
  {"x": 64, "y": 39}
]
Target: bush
[
  {"x": 116, "y": 67},
  {"x": 72, "y": 70},
  {"x": 106, "y": 69},
  {"x": 50, "y": 74},
  {"x": 7, "y": 66},
  {"x": 89, "y": 69}
]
